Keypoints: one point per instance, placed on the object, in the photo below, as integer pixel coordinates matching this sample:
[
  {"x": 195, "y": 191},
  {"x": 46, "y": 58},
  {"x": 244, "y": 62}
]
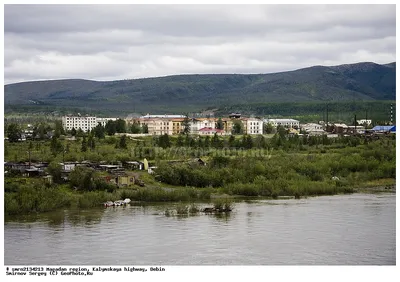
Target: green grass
[{"x": 281, "y": 169}]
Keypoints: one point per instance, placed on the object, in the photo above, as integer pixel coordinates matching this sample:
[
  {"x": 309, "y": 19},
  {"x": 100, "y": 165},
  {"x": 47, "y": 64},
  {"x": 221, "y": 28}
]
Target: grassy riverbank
[{"x": 279, "y": 167}]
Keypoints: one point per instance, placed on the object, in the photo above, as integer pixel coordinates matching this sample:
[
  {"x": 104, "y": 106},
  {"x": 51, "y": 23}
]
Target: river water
[{"x": 356, "y": 229}]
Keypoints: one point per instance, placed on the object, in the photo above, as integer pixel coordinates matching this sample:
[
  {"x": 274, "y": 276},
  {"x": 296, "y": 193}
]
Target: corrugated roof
[{"x": 384, "y": 128}]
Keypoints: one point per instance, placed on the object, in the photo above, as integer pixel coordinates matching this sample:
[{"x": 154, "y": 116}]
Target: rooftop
[
  {"x": 281, "y": 120},
  {"x": 163, "y": 116}
]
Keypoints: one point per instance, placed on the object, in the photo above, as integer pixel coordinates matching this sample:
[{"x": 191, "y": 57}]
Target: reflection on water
[{"x": 341, "y": 230}]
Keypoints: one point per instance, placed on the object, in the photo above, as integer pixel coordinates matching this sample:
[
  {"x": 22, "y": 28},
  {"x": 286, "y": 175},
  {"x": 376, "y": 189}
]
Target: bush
[{"x": 182, "y": 209}]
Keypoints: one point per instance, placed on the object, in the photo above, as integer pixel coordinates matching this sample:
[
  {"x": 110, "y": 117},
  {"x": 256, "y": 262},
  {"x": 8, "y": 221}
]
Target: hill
[{"x": 181, "y": 93}]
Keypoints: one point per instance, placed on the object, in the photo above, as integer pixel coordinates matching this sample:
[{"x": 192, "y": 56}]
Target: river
[{"x": 356, "y": 229}]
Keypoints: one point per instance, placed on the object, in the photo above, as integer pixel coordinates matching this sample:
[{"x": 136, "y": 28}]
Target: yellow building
[
  {"x": 177, "y": 125},
  {"x": 125, "y": 180}
]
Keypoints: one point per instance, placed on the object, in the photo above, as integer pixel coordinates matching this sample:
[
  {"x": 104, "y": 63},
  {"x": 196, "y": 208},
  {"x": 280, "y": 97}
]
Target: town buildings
[
  {"x": 313, "y": 128},
  {"x": 285, "y": 122},
  {"x": 175, "y": 124},
  {"x": 252, "y": 126},
  {"x": 85, "y": 123}
]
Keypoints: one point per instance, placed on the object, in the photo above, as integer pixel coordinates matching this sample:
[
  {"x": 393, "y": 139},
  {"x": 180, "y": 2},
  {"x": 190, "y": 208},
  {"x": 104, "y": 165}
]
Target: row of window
[{"x": 80, "y": 119}]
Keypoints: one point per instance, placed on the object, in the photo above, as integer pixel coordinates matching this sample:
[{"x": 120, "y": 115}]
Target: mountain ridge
[{"x": 361, "y": 81}]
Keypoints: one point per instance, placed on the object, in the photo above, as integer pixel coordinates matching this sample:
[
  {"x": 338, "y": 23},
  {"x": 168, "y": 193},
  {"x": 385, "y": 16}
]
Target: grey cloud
[{"x": 128, "y": 41}]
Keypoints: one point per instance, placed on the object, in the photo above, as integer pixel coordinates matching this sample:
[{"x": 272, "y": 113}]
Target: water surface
[{"x": 357, "y": 229}]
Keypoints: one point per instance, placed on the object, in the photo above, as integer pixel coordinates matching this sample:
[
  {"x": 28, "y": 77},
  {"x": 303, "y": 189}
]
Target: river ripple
[{"x": 357, "y": 229}]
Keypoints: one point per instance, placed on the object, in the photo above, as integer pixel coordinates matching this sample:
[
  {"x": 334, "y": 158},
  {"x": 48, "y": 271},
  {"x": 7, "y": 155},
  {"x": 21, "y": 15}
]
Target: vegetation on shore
[{"x": 261, "y": 166}]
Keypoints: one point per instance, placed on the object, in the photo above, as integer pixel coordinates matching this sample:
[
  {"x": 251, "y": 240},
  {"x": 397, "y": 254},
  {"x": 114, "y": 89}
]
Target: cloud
[{"x": 107, "y": 42}]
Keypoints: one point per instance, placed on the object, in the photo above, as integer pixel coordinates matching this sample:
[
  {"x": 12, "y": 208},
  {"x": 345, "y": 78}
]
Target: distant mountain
[{"x": 362, "y": 81}]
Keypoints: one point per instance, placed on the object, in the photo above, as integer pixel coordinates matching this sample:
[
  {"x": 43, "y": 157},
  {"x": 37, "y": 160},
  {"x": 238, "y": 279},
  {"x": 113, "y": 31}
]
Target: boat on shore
[{"x": 117, "y": 203}]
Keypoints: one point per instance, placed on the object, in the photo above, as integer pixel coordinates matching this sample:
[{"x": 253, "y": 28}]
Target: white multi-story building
[
  {"x": 197, "y": 124},
  {"x": 252, "y": 126},
  {"x": 286, "y": 122},
  {"x": 82, "y": 122},
  {"x": 85, "y": 123}
]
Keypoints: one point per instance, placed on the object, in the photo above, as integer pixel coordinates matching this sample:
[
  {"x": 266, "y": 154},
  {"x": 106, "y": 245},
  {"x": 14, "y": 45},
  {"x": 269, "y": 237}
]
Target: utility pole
[
  {"x": 355, "y": 124},
  {"x": 391, "y": 114}
]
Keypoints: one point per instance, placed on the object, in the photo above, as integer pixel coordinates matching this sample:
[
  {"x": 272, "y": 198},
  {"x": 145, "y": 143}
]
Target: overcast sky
[{"x": 109, "y": 42}]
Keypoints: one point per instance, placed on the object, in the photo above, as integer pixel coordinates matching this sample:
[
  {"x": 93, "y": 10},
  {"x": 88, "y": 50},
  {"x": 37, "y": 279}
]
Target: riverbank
[
  {"x": 32, "y": 197},
  {"x": 288, "y": 168}
]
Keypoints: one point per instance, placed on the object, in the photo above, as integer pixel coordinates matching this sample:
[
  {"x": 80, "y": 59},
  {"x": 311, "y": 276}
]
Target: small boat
[
  {"x": 117, "y": 203},
  {"x": 108, "y": 204}
]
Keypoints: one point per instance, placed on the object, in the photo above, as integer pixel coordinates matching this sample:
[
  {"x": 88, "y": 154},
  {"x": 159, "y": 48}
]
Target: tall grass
[{"x": 35, "y": 198}]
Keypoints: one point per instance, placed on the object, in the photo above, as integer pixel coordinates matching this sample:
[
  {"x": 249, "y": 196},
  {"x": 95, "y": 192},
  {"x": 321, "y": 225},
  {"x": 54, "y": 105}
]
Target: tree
[
  {"x": 99, "y": 131},
  {"x": 281, "y": 131},
  {"x": 231, "y": 141},
  {"x": 200, "y": 143},
  {"x": 84, "y": 145},
  {"x": 56, "y": 146},
  {"x": 145, "y": 129},
  {"x": 120, "y": 126},
  {"x": 187, "y": 141},
  {"x": 39, "y": 130},
  {"x": 261, "y": 142},
  {"x": 135, "y": 128},
  {"x": 220, "y": 124},
  {"x": 73, "y": 131},
  {"x": 216, "y": 142},
  {"x": 91, "y": 142},
  {"x": 13, "y": 132},
  {"x": 247, "y": 142},
  {"x": 237, "y": 127},
  {"x": 163, "y": 141},
  {"x": 111, "y": 127},
  {"x": 59, "y": 129},
  {"x": 207, "y": 142},
  {"x": 186, "y": 125},
  {"x": 80, "y": 133},
  {"x": 179, "y": 141},
  {"x": 81, "y": 178},
  {"x": 267, "y": 128},
  {"x": 122, "y": 142},
  {"x": 54, "y": 169}
]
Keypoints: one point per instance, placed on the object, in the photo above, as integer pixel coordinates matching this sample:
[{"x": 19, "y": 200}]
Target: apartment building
[
  {"x": 286, "y": 122},
  {"x": 198, "y": 123},
  {"x": 252, "y": 126},
  {"x": 85, "y": 123},
  {"x": 173, "y": 124}
]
